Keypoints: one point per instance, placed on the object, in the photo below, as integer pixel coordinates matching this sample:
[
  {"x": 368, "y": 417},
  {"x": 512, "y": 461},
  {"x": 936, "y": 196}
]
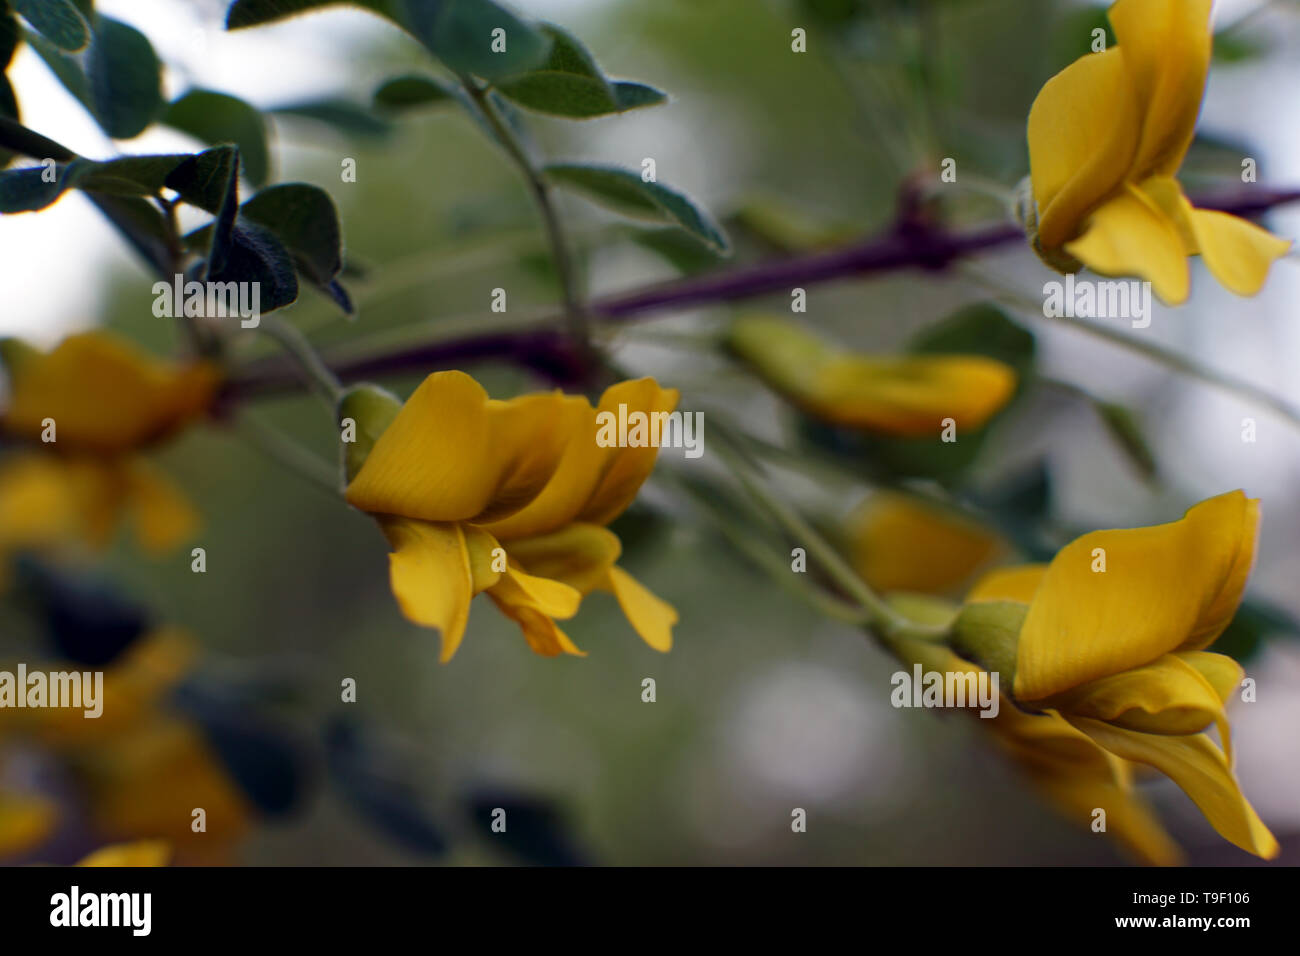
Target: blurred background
[{"x": 761, "y": 706}]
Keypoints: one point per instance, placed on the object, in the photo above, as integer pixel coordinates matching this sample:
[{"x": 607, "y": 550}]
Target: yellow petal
[
  {"x": 1237, "y": 252},
  {"x": 1166, "y": 49},
  {"x": 1167, "y": 696},
  {"x": 911, "y": 395},
  {"x": 533, "y": 603},
  {"x": 26, "y": 821},
  {"x": 1128, "y": 235},
  {"x": 146, "y": 783},
  {"x": 591, "y": 483},
  {"x": 1019, "y": 583},
  {"x": 1223, "y": 673},
  {"x": 1083, "y": 134},
  {"x": 164, "y": 517},
  {"x": 579, "y": 555},
  {"x": 1200, "y": 770},
  {"x": 104, "y": 395},
  {"x": 552, "y": 598},
  {"x": 430, "y": 575},
  {"x": 451, "y": 454},
  {"x": 140, "y": 853},
  {"x": 1170, "y": 587},
  {"x": 36, "y": 507},
  {"x": 1128, "y": 817},
  {"x": 650, "y": 616},
  {"x": 898, "y": 543}
]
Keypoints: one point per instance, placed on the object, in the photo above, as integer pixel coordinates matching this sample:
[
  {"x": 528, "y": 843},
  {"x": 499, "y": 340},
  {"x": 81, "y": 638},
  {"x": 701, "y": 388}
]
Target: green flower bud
[
  {"x": 1026, "y": 211},
  {"x": 987, "y": 633},
  {"x": 364, "y": 413}
]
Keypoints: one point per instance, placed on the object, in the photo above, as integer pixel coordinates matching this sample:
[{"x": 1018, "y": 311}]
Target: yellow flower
[
  {"x": 902, "y": 396},
  {"x": 139, "y": 853},
  {"x": 141, "y": 769},
  {"x": 508, "y": 497},
  {"x": 1111, "y": 636},
  {"x": 900, "y": 543},
  {"x": 1107, "y": 135},
  {"x": 102, "y": 402},
  {"x": 1073, "y": 774}
]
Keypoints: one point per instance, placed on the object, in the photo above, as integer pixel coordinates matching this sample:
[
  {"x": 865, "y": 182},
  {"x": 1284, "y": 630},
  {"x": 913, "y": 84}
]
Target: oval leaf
[
  {"x": 218, "y": 118},
  {"x": 624, "y": 191},
  {"x": 125, "y": 87},
  {"x": 59, "y": 21},
  {"x": 405, "y": 92}
]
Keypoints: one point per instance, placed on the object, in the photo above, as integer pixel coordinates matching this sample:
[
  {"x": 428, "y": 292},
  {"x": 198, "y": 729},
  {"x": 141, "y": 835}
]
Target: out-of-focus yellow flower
[
  {"x": 901, "y": 396},
  {"x": 140, "y": 853},
  {"x": 899, "y": 543},
  {"x": 1107, "y": 135},
  {"x": 103, "y": 402},
  {"x": 1111, "y": 635},
  {"x": 142, "y": 768},
  {"x": 508, "y": 497},
  {"x": 26, "y": 821}
]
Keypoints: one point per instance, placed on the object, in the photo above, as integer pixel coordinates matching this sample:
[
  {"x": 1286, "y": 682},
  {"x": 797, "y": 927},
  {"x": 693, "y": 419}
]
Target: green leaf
[
  {"x": 979, "y": 329},
  {"x": 58, "y": 21},
  {"x": 124, "y": 74},
  {"x": 205, "y": 180},
  {"x": 570, "y": 83},
  {"x": 1127, "y": 433},
  {"x": 10, "y": 33},
  {"x": 255, "y": 255},
  {"x": 680, "y": 249},
  {"x": 28, "y": 189},
  {"x": 577, "y": 97},
  {"x": 251, "y": 13},
  {"x": 412, "y": 90},
  {"x": 344, "y": 116},
  {"x": 66, "y": 69},
  {"x": 625, "y": 192},
  {"x": 218, "y": 118},
  {"x": 460, "y": 33},
  {"x": 304, "y": 219}
]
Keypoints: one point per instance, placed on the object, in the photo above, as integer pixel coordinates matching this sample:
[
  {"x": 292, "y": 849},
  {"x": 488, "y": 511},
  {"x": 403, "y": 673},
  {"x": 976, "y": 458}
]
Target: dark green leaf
[
  {"x": 624, "y": 191},
  {"x": 251, "y": 13},
  {"x": 264, "y": 759},
  {"x": 204, "y": 180},
  {"x": 10, "y": 33},
  {"x": 29, "y": 189},
  {"x": 143, "y": 226},
  {"x": 342, "y": 115},
  {"x": 577, "y": 97},
  {"x": 461, "y": 33},
  {"x": 124, "y": 74},
  {"x": 680, "y": 249},
  {"x": 304, "y": 219},
  {"x": 1254, "y": 622},
  {"x": 88, "y": 620},
  {"x": 405, "y": 92},
  {"x": 59, "y": 21},
  {"x": 1126, "y": 432},
  {"x": 376, "y": 780},
  {"x": 218, "y": 118},
  {"x": 979, "y": 329},
  {"x": 457, "y": 32},
  {"x": 256, "y": 255},
  {"x": 66, "y": 69}
]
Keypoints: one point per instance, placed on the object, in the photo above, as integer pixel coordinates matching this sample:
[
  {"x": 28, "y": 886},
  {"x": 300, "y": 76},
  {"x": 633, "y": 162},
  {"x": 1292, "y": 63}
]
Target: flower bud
[
  {"x": 371, "y": 409},
  {"x": 988, "y": 633},
  {"x": 1026, "y": 211}
]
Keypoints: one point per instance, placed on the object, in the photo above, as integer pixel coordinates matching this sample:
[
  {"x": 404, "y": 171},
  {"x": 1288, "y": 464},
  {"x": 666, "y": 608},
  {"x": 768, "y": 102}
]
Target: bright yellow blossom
[
  {"x": 1107, "y": 135},
  {"x": 508, "y": 497},
  {"x": 102, "y": 402},
  {"x": 1111, "y": 636},
  {"x": 902, "y": 396}
]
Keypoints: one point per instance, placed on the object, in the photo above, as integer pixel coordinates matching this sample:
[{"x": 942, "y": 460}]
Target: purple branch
[{"x": 912, "y": 243}]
